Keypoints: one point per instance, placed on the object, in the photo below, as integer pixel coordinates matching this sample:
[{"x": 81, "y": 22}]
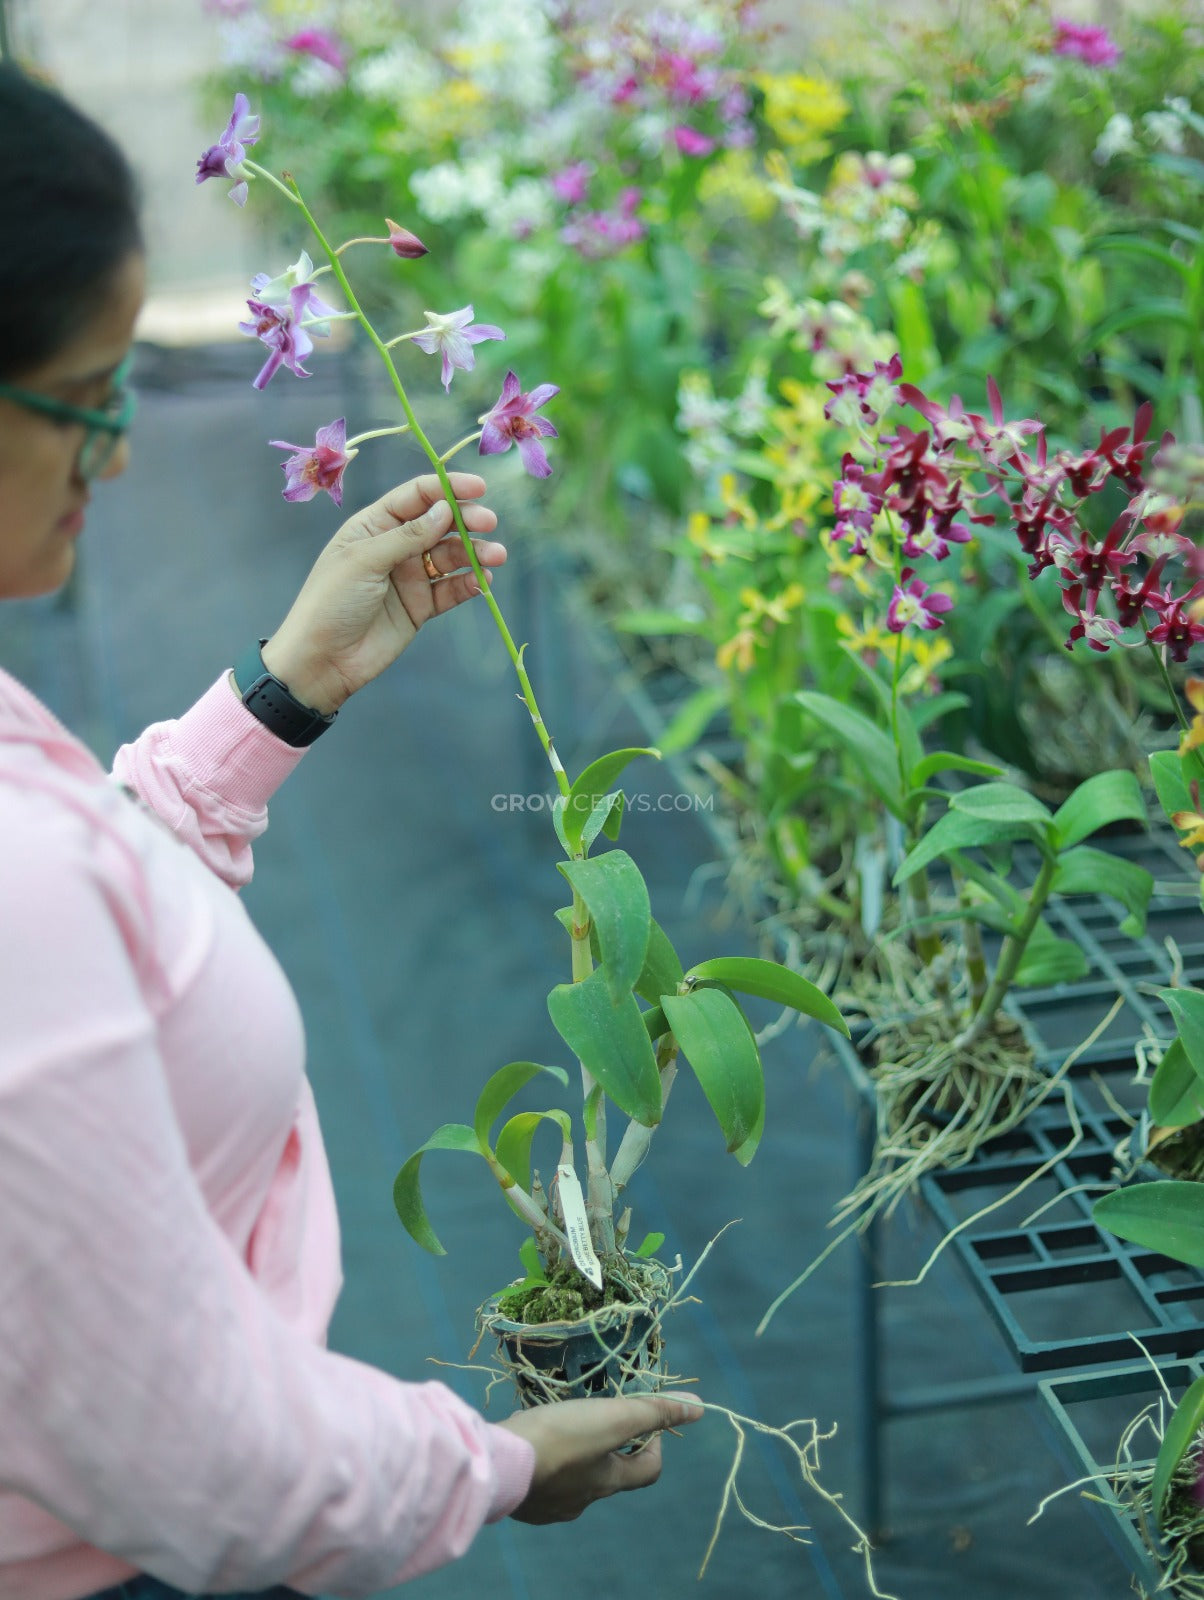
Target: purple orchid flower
[
  {"x": 317, "y": 466},
  {"x": 513, "y": 421},
  {"x": 913, "y": 601},
  {"x": 571, "y": 183},
  {"x": 278, "y": 327},
  {"x": 453, "y": 334},
  {"x": 1086, "y": 42},
  {"x": 224, "y": 159}
]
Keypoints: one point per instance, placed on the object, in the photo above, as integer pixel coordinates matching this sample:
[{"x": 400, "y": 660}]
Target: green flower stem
[
  {"x": 470, "y": 438},
  {"x": 928, "y": 943},
  {"x": 363, "y": 239},
  {"x": 378, "y": 433},
  {"x": 1010, "y": 956},
  {"x": 432, "y": 455},
  {"x": 401, "y": 338},
  {"x": 1172, "y": 693},
  {"x": 262, "y": 172}
]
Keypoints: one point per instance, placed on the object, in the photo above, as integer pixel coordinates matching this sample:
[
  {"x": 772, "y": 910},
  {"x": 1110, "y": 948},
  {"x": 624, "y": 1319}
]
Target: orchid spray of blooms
[
  {"x": 631, "y": 1010},
  {"x": 951, "y": 1067}
]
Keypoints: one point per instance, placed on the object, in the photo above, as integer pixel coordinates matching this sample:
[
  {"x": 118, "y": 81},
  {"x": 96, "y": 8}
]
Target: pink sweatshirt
[{"x": 169, "y": 1250}]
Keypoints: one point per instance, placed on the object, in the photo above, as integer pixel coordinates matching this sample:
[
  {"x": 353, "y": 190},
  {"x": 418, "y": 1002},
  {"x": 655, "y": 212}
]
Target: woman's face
[{"x": 42, "y": 495}]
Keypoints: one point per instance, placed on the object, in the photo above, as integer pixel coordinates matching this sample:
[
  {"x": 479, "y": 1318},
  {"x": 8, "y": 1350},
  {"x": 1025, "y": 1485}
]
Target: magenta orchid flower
[
  {"x": 317, "y": 466},
  {"x": 513, "y": 421},
  {"x": 914, "y": 602},
  {"x": 692, "y": 143},
  {"x": 319, "y": 43},
  {"x": 862, "y": 397},
  {"x": 225, "y": 158},
  {"x": 571, "y": 184},
  {"x": 453, "y": 335},
  {"x": 1086, "y": 42}
]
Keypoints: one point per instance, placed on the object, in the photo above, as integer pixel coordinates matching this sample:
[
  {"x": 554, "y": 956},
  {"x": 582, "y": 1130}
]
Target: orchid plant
[{"x": 631, "y": 1009}]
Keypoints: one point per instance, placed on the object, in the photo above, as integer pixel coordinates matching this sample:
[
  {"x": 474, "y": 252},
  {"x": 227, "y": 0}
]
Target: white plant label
[{"x": 576, "y": 1224}]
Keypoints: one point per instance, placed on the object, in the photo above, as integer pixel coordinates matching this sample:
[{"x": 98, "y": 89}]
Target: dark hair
[{"x": 68, "y": 220}]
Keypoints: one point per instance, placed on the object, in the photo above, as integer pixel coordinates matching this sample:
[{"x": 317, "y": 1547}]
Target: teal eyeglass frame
[{"x": 106, "y": 428}]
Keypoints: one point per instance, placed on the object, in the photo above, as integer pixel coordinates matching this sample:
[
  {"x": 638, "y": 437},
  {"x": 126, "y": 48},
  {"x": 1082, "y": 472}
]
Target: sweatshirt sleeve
[
  {"x": 210, "y": 774},
  {"x": 153, "y": 1400}
]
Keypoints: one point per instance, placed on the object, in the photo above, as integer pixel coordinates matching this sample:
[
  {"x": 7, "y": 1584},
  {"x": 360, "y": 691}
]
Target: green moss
[{"x": 565, "y": 1297}]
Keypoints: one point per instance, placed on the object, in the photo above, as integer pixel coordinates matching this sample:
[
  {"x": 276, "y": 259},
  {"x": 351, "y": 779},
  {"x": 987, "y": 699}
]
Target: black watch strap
[{"x": 268, "y": 699}]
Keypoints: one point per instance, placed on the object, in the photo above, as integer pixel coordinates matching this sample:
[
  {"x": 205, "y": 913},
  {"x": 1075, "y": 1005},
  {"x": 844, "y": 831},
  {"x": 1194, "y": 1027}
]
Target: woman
[{"x": 172, "y": 1422}]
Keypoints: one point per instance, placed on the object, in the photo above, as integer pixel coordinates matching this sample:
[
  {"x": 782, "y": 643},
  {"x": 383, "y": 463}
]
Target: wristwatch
[{"x": 267, "y": 698}]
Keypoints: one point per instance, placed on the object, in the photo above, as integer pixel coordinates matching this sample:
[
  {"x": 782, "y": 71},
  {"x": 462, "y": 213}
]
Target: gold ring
[{"x": 432, "y": 571}]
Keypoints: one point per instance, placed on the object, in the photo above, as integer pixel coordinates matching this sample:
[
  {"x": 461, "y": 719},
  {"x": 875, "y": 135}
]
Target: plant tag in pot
[{"x": 576, "y": 1225}]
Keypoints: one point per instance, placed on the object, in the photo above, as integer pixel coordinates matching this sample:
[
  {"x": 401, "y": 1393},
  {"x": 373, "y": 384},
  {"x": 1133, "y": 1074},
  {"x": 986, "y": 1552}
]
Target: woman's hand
[
  {"x": 576, "y": 1450},
  {"x": 369, "y": 592}
]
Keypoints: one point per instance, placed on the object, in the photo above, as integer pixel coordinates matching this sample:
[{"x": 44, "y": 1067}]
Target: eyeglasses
[{"x": 106, "y": 427}]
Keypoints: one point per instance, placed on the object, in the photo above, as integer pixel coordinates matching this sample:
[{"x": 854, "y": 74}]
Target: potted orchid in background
[{"x": 586, "y": 1317}]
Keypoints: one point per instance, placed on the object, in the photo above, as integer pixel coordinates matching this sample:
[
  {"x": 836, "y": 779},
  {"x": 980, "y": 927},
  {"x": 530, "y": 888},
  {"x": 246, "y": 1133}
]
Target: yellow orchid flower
[
  {"x": 1193, "y": 690},
  {"x": 734, "y": 502},
  {"x": 738, "y": 651}
]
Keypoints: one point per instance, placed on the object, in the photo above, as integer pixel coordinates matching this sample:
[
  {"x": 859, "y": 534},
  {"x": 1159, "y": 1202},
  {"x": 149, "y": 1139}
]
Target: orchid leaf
[
  {"x": 592, "y": 785},
  {"x": 611, "y": 1043},
  {"x": 1048, "y": 959},
  {"x": 616, "y": 898},
  {"x": 896, "y": 711},
  {"x": 605, "y": 818},
  {"x": 689, "y": 722},
  {"x": 407, "y": 1192},
  {"x": 1106, "y": 797},
  {"x": 501, "y": 1089},
  {"x": 869, "y": 747},
  {"x": 655, "y": 1022},
  {"x": 1187, "y": 1008},
  {"x": 1088, "y": 871},
  {"x": 662, "y": 970},
  {"x": 947, "y": 761},
  {"x": 771, "y": 981},
  {"x": 1166, "y": 1217},
  {"x": 652, "y": 1243},
  {"x": 957, "y": 831},
  {"x": 1176, "y": 1089},
  {"x": 716, "y": 1040},
  {"x": 1185, "y": 1422},
  {"x": 514, "y": 1141},
  {"x": 1004, "y": 803},
  {"x": 1166, "y": 769},
  {"x": 558, "y": 824}
]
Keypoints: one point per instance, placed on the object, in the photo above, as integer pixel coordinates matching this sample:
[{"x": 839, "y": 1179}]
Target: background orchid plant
[{"x": 631, "y": 1009}]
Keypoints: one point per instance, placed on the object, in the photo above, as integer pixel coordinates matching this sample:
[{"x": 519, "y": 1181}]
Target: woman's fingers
[
  {"x": 449, "y": 555},
  {"x": 408, "y": 501}
]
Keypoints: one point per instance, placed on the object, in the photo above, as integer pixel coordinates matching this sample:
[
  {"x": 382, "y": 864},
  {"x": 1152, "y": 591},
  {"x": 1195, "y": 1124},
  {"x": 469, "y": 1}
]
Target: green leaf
[
  {"x": 655, "y": 1022},
  {"x": 652, "y": 1243},
  {"x": 528, "y": 1254},
  {"x": 407, "y": 1191},
  {"x": 771, "y": 981},
  {"x": 558, "y": 824},
  {"x": 956, "y": 831},
  {"x": 1166, "y": 769},
  {"x": 657, "y": 622},
  {"x": 896, "y": 708},
  {"x": 1185, "y": 1423},
  {"x": 514, "y": 1141},
  {"x": 1001, "y": 802},
  {"x": 715, "y": 1039},
  {"x": 1048, "y": 959},
  {"x": 616, "y": 898},
  {"x": 689, "y": 722},
  {"x": 604, "y": 818},
  {"x": 1167, "y": 1217},
  {"x": 591, "y": 786},
  {"x": 1106, "y": 797},
  {"x": 870, "y": 748},
  {"x": 501, "y": 1089},
  {"x": 940, "y": 705},
  {"x": 1145, "y": 249},
  {"x": 662, "y": 972},
  {"x": 1176, "y": 1089},
  {"x": 1160, "y": 311},
  {"x": 947, "y": 761},
  {"x": 1187, "y": 1008},
  {"x": 611, "y": 1043},
  {"x": 1089, "y": 871}
]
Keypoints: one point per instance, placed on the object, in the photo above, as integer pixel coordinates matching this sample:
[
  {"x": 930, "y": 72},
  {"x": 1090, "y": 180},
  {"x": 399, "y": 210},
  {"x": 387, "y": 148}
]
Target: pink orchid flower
[
  {"x": 317, "y": 466},
  {"x": 513, "y": 421}
]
